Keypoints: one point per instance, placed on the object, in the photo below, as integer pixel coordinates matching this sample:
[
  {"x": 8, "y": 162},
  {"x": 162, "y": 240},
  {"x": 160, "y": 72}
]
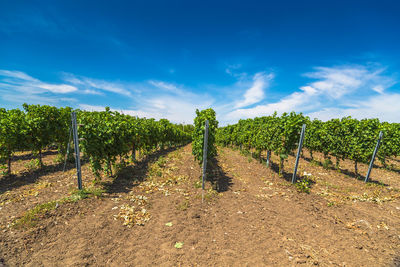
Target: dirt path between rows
[{"x": 256, "y": 219}]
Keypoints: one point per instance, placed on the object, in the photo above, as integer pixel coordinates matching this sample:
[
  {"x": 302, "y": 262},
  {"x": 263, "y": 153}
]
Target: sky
[{"x": 165, "y": 59}]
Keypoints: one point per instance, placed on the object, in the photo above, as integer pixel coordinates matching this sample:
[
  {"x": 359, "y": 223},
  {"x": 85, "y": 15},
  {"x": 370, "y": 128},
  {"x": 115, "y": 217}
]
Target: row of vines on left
[{"x": 105, "y": 135}]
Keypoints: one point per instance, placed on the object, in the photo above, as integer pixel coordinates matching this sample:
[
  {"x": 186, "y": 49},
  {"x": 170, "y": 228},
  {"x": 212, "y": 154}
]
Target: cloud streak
[
  {"x": 24, "y": 83},
  {"x": 333, "y": 87},
  {"x": 355, "y": 90},
  {"x": 256, "y": 92},
  {"x": 95, "y": 85}
]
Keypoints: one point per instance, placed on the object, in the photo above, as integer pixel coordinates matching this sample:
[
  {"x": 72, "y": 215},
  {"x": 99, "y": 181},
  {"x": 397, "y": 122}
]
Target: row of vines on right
[{"x": 338, "y": 139}]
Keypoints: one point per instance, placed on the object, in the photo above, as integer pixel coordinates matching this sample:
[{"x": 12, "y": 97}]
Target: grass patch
[
  {"x": 32, "y": 217},
  {"x": 86, "y": 193},
  {"x": 304, "y": 185}
]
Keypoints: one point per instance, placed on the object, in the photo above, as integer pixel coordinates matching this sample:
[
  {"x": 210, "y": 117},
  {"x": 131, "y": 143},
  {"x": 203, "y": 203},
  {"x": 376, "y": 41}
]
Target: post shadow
[{"x": 132, "y": 175}]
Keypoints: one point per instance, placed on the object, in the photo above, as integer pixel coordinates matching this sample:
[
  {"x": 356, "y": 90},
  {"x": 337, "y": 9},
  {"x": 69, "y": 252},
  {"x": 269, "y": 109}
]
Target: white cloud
[
  {"x": 93, "y": 85},
  {"x": 135, "y": 113},
  {"x": 385, "y": 107},
  {"x": 22, "y": 82},
  {"x": 164, "y": 85},
  {"x": 334, "y": 86},
  {"x": 331, "y": 92},
  {"x": 172, "y": 108},
  {"x": 336, "y": 82},
  {"x": 58, "y": 88},
  {"x": 169, "y": 87},
  {"x": 256, "y": 92},
  {"x": 17, "y": 74},
  {"x": 292, "y": 102},
  {"x": 378, "y": 88},
  {"x": 163, "y": 100}
]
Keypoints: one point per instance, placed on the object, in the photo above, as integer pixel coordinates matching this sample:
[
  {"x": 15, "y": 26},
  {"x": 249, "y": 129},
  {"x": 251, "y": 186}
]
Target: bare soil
[{"x": 253, "y": 218}]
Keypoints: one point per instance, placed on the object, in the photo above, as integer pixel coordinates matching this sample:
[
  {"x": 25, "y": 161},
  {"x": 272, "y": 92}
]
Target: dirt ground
[{"x": 152, "y": 214}]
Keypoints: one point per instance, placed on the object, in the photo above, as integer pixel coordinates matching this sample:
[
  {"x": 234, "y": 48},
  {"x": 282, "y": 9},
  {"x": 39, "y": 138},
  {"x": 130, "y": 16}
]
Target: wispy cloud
[
  {"x": 356, "y": 90},
  {"x": 333, "y": 87},
  {"x": 169, "y": 87},
  {"x": 173, "y": 108},
  {"x": 162, "y": 99},
  {"x": 24, "y": 83},
  {"x": 336, "y": 82},
  {"x": 131, "y": 112},
  {"x": 94, "y": 85},
  {"x": 256, "y": 92},
  {"x": 385, "y": 107}
]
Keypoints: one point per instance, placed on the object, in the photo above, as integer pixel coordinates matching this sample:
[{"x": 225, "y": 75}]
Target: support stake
[
  {"x": 77, "y": 153},
  {"x": 371, "y": 164},
  {"x": 303, "y": 129},
  {"x": 205, "y": 147},
  {"x": 268, "y": 157}
]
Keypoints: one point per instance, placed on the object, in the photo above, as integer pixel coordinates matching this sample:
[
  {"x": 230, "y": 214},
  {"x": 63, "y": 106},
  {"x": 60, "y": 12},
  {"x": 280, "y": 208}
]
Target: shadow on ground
[
  {"x": 274, "y": 166},
  {"x": 13, "y": 181},
  {"x": 32, "y": 156},
  {"x": 132, "y": 175},
  {"x": 347, "y": 172},
  {"x": 217, "y": 176}
]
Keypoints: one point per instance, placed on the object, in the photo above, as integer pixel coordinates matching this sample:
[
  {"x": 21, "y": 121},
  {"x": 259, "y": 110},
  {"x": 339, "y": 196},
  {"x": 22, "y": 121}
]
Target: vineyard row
[
  {"x": 104, "y": 136},
  {"x": 345, "y": 138}
]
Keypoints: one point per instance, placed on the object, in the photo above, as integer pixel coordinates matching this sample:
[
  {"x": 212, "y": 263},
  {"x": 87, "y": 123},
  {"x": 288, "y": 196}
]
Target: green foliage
[
  {"x": 107, "y": 135},
  {"x": 32, "y": 165},
  {"x": 46, "y": 125},
  {"x": 304, "y": 185},
  {"x": 13, "y": 135},
  {"x": 198, "y": 134},
  {"x": 104, "y": 136},
  {"x": 269, "y": 133},
  {"x": 178, "y": 245},
  {"x": 345, "y": 138},
  {"x": 86, "y": 193}
]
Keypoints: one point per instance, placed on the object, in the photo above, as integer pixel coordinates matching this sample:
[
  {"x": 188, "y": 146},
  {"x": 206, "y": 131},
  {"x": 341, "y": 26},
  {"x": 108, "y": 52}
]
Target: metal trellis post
[
  {"x": 205, "y": 155},
  {"x": 77, "y": 153},
  {"x": 268, "y": 157},
  {"x": 371, "y": 164},
  {"x": 303, "y": 129}
]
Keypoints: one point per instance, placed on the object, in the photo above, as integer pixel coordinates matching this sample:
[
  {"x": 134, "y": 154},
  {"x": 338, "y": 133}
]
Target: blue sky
[{"x": 164, "y": 59}]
